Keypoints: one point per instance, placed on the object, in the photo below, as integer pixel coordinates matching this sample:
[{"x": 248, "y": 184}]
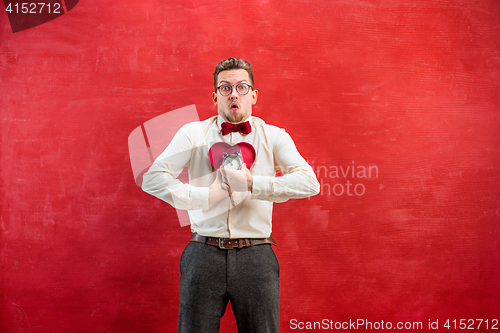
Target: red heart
[{"x": 217, "y": 149}]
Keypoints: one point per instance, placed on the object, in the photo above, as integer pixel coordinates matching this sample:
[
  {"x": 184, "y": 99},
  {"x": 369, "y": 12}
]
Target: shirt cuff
[
  {"x": 262, "y": 187},
  {"x": 199, "y": 197}
]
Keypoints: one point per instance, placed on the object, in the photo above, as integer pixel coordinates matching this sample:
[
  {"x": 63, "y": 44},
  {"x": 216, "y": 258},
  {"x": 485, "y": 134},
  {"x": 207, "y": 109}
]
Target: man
[{"x": 230, "y": 257}]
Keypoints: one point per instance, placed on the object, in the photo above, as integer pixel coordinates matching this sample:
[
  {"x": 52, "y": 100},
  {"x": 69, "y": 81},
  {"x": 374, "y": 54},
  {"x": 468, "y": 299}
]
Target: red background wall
[{"x": 410, "y": 88}]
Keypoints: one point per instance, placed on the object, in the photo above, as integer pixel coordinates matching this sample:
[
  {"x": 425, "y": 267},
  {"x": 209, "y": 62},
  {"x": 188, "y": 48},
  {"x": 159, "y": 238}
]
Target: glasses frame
[{"x": 234, "y": 85}]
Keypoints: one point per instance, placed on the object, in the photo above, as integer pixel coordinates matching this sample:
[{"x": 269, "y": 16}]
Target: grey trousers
[{"x": 247, "y": 277}]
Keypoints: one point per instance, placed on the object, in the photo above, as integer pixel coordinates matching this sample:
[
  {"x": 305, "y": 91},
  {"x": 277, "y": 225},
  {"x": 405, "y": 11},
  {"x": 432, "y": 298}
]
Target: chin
[{"x": 235, "y": 119}]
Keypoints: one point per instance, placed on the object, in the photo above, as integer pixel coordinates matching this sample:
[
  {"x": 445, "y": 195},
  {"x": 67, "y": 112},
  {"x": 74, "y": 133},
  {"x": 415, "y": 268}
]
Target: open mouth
[{"x": 234, "y": 106}]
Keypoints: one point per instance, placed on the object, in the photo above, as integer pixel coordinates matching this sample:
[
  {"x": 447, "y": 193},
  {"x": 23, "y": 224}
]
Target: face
[{"x": 234, "y": 108}]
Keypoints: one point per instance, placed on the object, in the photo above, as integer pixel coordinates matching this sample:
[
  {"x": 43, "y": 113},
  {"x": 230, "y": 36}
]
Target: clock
[{"x": 234, "y": 160}]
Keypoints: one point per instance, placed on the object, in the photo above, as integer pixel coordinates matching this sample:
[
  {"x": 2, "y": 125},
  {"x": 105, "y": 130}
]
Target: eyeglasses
[{"x": 227, "y": 89}]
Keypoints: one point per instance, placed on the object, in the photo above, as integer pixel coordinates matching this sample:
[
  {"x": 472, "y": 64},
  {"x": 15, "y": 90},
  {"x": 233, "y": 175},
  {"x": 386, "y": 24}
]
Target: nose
[{"x": 234, "y": 93}]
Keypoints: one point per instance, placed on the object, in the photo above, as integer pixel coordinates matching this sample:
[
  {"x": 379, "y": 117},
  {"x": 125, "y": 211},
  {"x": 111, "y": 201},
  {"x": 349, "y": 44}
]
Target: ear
[
  {"x": 214, "y": 97},
  {"x": 255, "y": 94}
]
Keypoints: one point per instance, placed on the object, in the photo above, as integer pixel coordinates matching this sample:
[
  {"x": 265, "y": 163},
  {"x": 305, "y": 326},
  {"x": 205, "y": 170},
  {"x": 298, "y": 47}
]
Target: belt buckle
[{"x": 221, "y": 245}]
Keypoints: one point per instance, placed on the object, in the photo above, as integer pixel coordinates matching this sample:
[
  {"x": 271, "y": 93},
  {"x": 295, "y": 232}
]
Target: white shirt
[{"x": 251, "y": 215}]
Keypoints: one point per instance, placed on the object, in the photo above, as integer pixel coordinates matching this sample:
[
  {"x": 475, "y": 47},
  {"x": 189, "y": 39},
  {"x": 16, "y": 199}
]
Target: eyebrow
[{"x": 244, "y": 80}]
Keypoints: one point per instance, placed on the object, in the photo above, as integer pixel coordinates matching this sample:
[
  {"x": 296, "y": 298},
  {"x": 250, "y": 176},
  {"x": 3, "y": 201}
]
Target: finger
[
  {"x": 219, "y": 176},
  {"x": 223, "y": 174}
]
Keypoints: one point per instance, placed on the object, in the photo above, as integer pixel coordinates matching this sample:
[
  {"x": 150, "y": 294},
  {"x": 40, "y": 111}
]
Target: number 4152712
[
  {"x": 34, "y": 8},
  {"x": 471, "y": 324}
]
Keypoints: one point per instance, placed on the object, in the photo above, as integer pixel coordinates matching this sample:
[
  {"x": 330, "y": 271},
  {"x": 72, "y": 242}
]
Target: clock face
[{"x": 232, "y": 162}]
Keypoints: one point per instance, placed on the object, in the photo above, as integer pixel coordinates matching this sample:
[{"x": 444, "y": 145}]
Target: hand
[
  {"x": 218, "y": 190},
  {"x": 237, "y": 180}
]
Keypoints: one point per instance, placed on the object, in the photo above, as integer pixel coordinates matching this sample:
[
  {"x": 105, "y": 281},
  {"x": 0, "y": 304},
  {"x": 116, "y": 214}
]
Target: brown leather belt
[{"x": 231, "y": 243}]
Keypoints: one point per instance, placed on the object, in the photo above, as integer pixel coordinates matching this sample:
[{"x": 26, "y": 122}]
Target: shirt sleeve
[
  {"x": 298, "y": 180},
  {"x": 161, "y": 179}
]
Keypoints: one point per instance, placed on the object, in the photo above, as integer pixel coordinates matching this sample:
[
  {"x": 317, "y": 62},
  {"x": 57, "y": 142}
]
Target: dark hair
[{"x": 233, "y": 63}]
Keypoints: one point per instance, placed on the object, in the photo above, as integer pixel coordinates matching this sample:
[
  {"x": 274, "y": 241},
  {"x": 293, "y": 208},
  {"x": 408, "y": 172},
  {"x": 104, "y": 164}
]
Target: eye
[
  {"x": 225, "y": 88},
  {"x": 242, "y": 87}
]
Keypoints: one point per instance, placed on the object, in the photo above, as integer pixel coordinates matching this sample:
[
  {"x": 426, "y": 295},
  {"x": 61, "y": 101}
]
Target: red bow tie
[{"x": 244, "y": 128}]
